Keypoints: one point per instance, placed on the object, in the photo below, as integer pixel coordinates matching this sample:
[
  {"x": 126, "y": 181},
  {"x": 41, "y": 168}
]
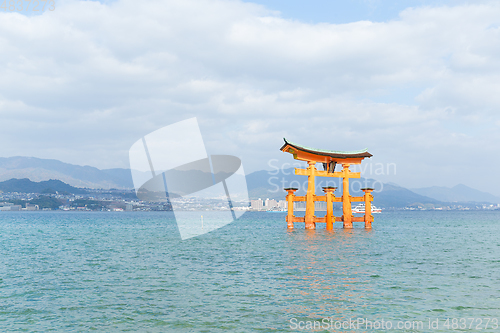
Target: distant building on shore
[
  {"x": 268, "y": 204},
  {"x": 8, "y": 206},
  {"x": 31, "y": 207},
  {"x": 256, "y": 204},
  {"x": 271, "y": 204}
]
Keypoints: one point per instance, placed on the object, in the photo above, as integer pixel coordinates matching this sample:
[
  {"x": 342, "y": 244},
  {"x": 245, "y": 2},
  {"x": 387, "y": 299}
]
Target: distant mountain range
[
  {"x": 54, "y": 174},
  {"x": 48, "y": 186},
  {"x": 37, "y": 169},
  {"x": 458, "y": 193},
  {"x": 263, "y": 184}
]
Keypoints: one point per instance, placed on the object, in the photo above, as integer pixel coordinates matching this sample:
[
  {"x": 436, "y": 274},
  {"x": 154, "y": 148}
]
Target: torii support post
[
  {"x": 368, "y": 207},
  {"x": 346, "y": 198},
  {"x": 311, "y": 193},
  {"x": 289, "y": 198},
  {"x": 330, "y": 219}
]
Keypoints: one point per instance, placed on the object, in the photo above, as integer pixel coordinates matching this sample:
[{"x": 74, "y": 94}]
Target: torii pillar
[
  {"x": 310, "y": 194},
  {"x": 346, "y": 197},
  {"x": 330, "y": 219},
  {"x": 368, "y": 207},
  {"x": 289, "y": 199}
]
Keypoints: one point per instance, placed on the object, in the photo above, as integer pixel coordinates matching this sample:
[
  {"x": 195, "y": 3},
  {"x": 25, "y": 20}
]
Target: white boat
[{"x": 360, "y": 209}]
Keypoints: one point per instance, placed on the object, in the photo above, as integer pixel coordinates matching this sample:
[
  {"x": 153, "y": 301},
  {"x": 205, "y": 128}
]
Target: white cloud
[{"x": 83, "y": 82}]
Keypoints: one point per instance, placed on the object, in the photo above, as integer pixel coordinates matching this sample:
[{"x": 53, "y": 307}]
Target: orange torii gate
[{"x": 329, "y": 159}]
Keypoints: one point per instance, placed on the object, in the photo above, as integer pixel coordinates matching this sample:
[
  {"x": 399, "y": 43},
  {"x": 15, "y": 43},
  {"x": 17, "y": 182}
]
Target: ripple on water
[{"x": 131, "y": 272}]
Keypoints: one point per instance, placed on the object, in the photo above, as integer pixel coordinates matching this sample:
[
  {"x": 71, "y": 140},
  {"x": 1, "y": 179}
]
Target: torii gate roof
[{"x": 325, "y": 156}]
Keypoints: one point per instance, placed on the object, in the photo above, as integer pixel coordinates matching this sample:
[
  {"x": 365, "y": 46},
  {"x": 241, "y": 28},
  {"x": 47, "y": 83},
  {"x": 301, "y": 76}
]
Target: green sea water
[{"x": 113, "y": 272}]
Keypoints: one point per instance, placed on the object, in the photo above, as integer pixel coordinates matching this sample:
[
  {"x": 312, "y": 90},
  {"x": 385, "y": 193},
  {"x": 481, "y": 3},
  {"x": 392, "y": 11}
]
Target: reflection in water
[
  {"x": 327, "y": 275},
  {"x": 81, "y": 271}
]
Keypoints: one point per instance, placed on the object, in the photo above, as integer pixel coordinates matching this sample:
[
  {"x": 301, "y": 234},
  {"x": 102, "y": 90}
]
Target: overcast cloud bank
[{"x": 82, "y": 83}]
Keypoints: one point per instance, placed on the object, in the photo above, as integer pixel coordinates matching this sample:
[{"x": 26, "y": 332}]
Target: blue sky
[
  {"x": 415, "y": 82},
  {"x": 338, "y": 11}
]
